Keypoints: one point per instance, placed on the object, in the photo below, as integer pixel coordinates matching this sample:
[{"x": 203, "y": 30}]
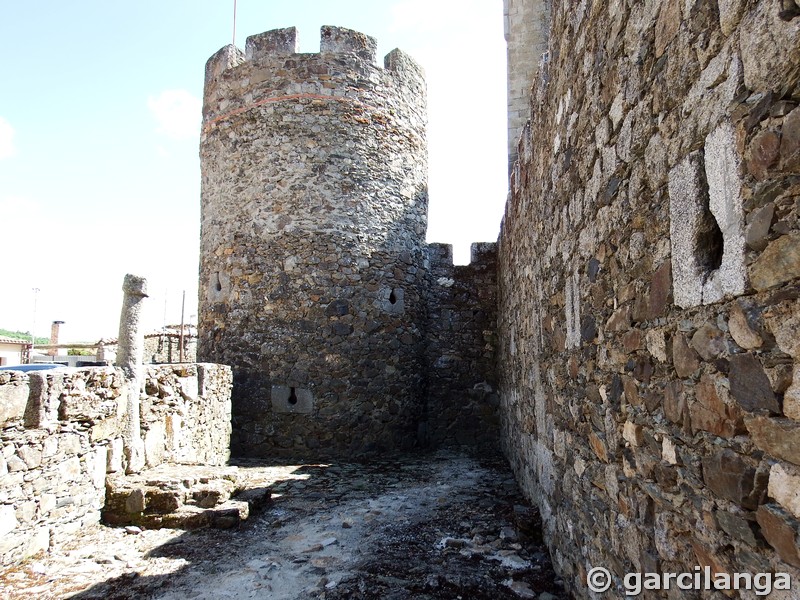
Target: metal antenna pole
[
  {"x": 33, "y": 331},
  {"x": 180, "y": 340},
  {"x": 234, "y": 23}
]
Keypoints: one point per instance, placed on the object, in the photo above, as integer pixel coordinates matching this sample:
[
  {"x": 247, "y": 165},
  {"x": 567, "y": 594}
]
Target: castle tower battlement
[{"x": 314, "y": 212}]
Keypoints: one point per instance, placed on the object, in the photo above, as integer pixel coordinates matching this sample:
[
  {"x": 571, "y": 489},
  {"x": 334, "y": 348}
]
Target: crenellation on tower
[
  {"x": 225, "y": 58},
  {"x": 339, "y": 40},
  {"x": 270, "y": 43}
]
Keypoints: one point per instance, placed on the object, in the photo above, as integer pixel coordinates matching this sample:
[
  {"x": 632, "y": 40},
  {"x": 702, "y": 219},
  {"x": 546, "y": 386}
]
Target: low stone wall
[
  {"x": 165, "y": 348},
  {"x": 62, "y": 432},
  {"x": 462, "y": 405},
  {"x": 649, "y": 271}
]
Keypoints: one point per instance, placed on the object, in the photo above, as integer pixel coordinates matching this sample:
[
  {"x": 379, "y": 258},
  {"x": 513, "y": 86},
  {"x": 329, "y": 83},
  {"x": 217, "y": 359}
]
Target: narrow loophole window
[
  {"x": 217, "y": 283},
  {"x": 392, "y": 298},
  {"x": 710, "y": 244},
  {"x": 292, "y": 397}
]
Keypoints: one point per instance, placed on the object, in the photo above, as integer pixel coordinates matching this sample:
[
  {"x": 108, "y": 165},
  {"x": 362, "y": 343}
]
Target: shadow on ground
[{"x": 441, "y": 526}]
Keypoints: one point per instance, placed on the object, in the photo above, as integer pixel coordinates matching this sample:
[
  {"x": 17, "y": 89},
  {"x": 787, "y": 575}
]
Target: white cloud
[
  {"x": 7, "y": 148},
  {"x": 177, "y": 113}
]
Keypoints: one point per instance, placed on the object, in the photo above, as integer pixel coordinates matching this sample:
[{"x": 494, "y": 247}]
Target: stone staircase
[{"x": 182, "y": 497}]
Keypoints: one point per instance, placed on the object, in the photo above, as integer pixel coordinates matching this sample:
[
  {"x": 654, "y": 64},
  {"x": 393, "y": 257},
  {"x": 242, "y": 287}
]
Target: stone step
[{"x": 181, "y": 497}]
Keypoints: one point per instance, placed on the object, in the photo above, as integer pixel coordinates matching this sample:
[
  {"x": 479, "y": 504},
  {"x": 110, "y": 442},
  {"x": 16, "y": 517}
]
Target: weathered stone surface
[
  {"x": 54, "y": 475},
  {"x": 674, "y": 402},
  {"x": 709, "y": 342},
  {"x": 737, "y": 527},
  {"x": 780, "y": 531},
  {"x": 770, "y": 48},
  {"x": 783, "y": 321},
  {"x": 730, "y": 13},
  {"x": 709, "y": 412},
  {"x": 632, "y": 433},
  {"x": 740, "y": 329},
  {"x": 777, "y": 437},
  {"x": 750, "y": 386},
  {"x": 730, "y": 476},
  {"x": 790, "y": 141},
  {"x": 676, "y": 143},
  {"x": 791, "y": 397},
  {"x": 763, "y": 153},
  {"x": 784, "y": 487},
  {"x": 779, "y": 263},
  {"x": 684, "y": 358},
  {"x": 758, "y": 226},
  {"x": 669, "y": 20},
  {"x": 660, "y": 291},
  {"x": 13, "y": 400}
]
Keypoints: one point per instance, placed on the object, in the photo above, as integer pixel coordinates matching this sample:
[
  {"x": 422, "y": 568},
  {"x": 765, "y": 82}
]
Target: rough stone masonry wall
[
  {"x": 649, "y": 290},
  {"x": 161, "y": 348},
  {"x": 525, "y": 25},
  {"x": 314, "y": 211},
  {"x": 461, "y": 346},
  {"x": 62, "y": 431}
]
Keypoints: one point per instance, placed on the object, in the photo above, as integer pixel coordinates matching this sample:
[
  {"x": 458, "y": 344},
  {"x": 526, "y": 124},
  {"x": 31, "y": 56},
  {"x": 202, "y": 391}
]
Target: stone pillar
[
  {"x": 129, "y": 357},
  {"x": 54, "y": 337}
]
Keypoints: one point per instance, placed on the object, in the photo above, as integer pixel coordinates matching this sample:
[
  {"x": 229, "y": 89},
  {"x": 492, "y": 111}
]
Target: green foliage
[
  {"x": 23, "y": 335},
  {"x": 80, "y": 352}
]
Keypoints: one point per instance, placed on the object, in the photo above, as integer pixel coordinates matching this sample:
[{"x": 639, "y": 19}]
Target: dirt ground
[{"x": 439, "y": 526}]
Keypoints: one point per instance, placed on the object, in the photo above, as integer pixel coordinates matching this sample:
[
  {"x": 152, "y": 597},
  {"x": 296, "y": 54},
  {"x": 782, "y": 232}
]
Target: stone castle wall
[
  {"x": 62, "y": 432},
  {"x": 649, "y": 266},
  {"x": 165, "y": 348},
  {"x": 525, "y": 24},
  {"x": 314, "y": 211},
  {"x": 461, "y": 348}
]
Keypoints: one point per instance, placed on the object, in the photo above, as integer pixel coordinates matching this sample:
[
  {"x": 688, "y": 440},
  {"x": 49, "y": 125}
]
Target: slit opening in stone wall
[
  {"x": 392, "y": 298},
  {"x": 217, "y": 282},
  {"x": 292, "y": 397},
  {"x": 709, "y": 242}
]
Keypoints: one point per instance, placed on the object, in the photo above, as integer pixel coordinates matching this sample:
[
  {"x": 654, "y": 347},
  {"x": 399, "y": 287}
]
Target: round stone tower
[{"x": 314, "y": 212}]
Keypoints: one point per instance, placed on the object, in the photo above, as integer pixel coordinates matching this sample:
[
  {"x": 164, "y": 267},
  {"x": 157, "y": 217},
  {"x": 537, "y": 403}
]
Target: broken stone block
[
  {"x": 632, "y": 433},
  {"x": 674, "y": 402},
  {"x": 783, "y": 321},
  {"x": 780, "y": 530},
  {"x": 784, "y": 487},
  {"x": 684, "y": 358},
  {"x": 709, "y": 342},
  {"x": 778, "y": 264},
  {"x": 758, "y": 227},
  {"x": 750, "y": 385},
  {"x": 13, "y": 400},
  {"x": 740, "y": 329},
  {"x": 790, "y": 141},
  {"x": 779, "y": 438},
  {"x": 709, "y": 412},
  {"x": 763, "y": 153},
  {"x": 730, "y": 476},
  {"x": 737, "y": 527}
]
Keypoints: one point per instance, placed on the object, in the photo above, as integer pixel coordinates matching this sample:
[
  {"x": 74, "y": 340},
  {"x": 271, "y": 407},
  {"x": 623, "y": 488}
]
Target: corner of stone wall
[{"x": 462, "y": 401}]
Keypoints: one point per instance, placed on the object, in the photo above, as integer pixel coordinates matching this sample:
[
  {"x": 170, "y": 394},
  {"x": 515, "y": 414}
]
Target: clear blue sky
[{"x": 99, "y": 127}]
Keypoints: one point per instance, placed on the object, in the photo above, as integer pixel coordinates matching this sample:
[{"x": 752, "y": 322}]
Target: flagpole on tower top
[{"x": 234, "y": 23}]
